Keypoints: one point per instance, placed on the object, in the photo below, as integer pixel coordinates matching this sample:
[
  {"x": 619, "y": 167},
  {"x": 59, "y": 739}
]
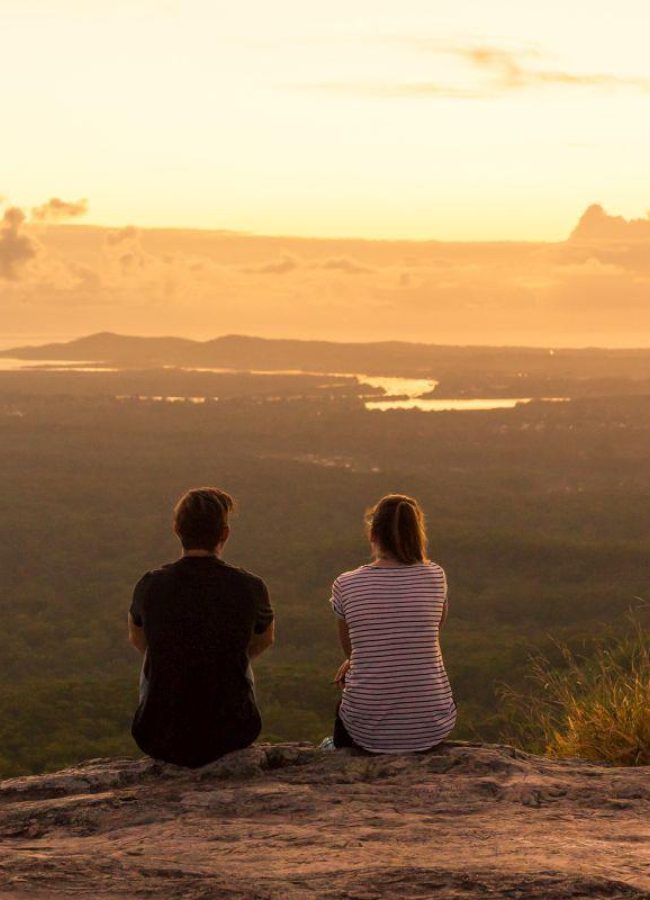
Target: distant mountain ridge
[{"x": 382, "y": 358}]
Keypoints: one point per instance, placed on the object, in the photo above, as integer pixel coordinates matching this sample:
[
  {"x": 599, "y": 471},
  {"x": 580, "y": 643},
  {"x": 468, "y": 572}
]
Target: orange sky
[
  {"x": 456, "y": 120},
  {"x": 400, "y": 122}
]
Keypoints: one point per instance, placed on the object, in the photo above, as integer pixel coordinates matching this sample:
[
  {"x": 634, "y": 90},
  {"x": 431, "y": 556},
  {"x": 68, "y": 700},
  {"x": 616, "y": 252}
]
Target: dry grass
[{"x": 595, "y": 705}]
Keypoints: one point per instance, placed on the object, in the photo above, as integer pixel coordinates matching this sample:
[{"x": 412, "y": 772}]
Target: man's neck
[{"x": 202, "y": 552}]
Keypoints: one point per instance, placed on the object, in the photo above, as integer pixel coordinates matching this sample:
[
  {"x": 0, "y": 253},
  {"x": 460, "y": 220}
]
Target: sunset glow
[
  {"x": 333, "y": 317},
  {"x": 455, "y": 120}
]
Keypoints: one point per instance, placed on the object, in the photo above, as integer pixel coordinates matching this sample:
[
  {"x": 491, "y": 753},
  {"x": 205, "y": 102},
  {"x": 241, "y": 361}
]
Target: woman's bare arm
[
  {"x": 344, "y": 637},
  {"x": 346, "y": 646}
]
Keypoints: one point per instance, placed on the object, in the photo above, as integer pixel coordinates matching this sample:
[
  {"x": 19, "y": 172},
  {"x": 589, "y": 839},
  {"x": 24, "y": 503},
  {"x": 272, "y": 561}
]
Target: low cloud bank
[
  {"x": 592, "y": 288},
  {"x": 16, "y": 248},
  {"x": 596, "y": 224}
]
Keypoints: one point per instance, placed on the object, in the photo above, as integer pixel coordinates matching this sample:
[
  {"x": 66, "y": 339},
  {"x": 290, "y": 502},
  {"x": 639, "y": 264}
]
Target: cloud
[
  {"x": 125, "y": 251},
  {"x": 344, "y": 264},
  {"x": 87, "y": 279},
  {"x": 506, "y": 71},
  {"x": 16, "y": 248},
  {"x": 56, "y": 209},
  {"x": 276, "y": 267},
  {"x": 411, "y": 89},
  {"x": 596, "y": 224},
  {"x": 128, "y": 233},
  {"x": 289, "y": 263},
  {"x": 513, "y": 73}
]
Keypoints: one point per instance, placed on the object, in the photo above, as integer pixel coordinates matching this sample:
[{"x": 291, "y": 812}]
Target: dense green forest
[{"x": 538, "y": 514}]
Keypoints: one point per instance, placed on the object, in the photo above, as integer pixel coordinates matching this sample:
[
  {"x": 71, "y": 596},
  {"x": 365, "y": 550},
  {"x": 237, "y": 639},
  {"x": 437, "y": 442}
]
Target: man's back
[{"x": 199, "y": 616}]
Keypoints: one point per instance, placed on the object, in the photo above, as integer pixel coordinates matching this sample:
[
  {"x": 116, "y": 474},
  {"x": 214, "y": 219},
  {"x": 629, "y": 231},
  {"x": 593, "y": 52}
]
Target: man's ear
[{"x": 225, "y": 534}]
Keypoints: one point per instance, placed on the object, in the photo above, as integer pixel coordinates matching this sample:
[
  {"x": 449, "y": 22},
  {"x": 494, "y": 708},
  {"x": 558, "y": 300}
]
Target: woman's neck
[
  {"x": 382, "y": 560},
  {"x": 386, "y": 561}
]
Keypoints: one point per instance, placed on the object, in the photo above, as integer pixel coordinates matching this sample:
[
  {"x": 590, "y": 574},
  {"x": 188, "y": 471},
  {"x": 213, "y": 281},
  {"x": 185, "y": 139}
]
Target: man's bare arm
[
  {"x": 261, "y": 642},
  {"x": 136, "y": 636}
]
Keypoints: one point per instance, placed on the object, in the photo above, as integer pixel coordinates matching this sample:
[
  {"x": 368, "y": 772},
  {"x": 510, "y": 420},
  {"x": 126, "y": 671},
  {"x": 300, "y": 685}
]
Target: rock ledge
[{"x": 287, "y": 820}]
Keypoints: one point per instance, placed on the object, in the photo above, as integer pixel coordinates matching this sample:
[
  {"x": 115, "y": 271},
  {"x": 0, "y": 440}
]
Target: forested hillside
[{"x": 538, "y": 514}]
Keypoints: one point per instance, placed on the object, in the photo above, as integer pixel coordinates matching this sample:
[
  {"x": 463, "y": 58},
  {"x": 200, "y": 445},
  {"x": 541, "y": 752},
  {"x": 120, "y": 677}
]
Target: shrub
[{"x": 594, "y": 704}]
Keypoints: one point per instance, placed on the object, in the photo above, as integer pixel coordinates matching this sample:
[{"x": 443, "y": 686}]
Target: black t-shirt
[{"x": 199, "y": 615}]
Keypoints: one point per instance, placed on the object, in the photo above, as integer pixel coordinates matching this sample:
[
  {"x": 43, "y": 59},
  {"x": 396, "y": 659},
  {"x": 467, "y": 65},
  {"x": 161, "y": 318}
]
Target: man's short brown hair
[{"x": 200, "y": 517}]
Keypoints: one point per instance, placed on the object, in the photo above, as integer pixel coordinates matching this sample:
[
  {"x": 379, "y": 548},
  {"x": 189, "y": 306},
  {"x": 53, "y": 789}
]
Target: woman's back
[{"x": 397, "y": 696}]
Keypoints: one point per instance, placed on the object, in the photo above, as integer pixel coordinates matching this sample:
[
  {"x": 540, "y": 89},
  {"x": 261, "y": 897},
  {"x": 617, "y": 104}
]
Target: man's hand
[
  {"x": 343, "y": 670},
  {"x": 137, "y": 636}
]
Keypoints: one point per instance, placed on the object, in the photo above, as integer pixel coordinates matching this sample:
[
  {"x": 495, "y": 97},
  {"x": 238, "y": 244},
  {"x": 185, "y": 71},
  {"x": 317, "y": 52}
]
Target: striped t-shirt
[{"x": 397, "y": 697}]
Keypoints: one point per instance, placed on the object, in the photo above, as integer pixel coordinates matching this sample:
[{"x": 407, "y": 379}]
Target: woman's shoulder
[
  {"x": 368, "y": 570},
  {"x": 438, "y": 571},
  {"x": 351, "y": 575}
]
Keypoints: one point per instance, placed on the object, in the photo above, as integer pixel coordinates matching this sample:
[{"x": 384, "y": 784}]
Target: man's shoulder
[
  {"x": 153, "y": 575},
  {"x": 162, "y": 571},
  {"x": 175, "y": 571},
  {"x": 243, "y": 575}
]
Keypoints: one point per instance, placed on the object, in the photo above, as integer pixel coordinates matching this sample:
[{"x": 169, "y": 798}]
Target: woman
[{"x": 396, "y": 694}]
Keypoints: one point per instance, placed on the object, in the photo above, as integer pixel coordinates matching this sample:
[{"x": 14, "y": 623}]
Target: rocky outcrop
[{"x": 466, "y": 820}]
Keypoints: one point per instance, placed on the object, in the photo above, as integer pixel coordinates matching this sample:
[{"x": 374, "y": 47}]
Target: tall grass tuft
[{"x": 594, "y": 704}]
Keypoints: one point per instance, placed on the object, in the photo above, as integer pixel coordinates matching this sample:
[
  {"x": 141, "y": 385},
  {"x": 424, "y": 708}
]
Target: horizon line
[
  {"x": 234, "y": 233},
  {"x": 552, "y": 349}
]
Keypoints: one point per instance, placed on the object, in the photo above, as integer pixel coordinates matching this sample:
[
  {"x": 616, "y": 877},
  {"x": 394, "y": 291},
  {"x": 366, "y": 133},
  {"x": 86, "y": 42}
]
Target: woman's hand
[{"x": 343, "y": 669}]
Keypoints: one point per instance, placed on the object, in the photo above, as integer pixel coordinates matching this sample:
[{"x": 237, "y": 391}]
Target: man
[{"x": 199, "y": 621}]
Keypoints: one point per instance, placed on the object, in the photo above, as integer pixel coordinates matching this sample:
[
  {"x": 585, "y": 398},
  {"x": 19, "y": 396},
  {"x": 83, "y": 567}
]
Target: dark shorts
[{"x": 342, "y": 737}]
